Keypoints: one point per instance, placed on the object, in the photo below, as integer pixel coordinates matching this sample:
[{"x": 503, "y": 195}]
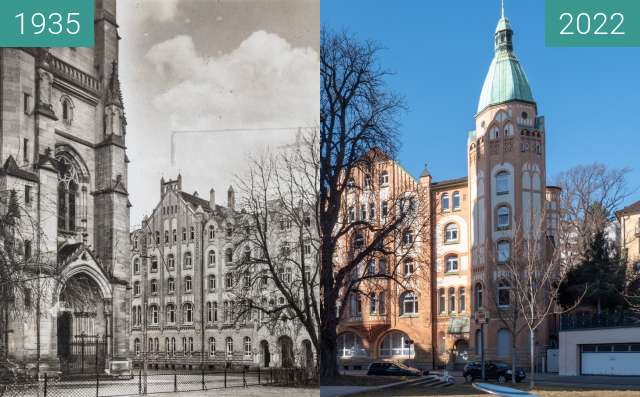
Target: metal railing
[
  {"x": 570, "y": 322},
  {"x": 152, "y": 382}
]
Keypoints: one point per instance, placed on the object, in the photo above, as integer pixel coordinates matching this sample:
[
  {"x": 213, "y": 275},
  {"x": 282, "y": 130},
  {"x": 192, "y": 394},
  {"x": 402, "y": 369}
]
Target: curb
[{"x": 381, "y": 387}]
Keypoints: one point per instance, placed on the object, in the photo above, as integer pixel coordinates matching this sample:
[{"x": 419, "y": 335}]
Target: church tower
[{"x": 506, "y": 165}]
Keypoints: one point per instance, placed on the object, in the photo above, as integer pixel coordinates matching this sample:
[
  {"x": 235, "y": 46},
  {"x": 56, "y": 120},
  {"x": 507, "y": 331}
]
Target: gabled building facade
[{"x": 472, "y": 225}]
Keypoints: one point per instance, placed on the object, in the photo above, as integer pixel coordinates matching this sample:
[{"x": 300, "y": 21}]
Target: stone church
[{"x": 63, "y": 156}]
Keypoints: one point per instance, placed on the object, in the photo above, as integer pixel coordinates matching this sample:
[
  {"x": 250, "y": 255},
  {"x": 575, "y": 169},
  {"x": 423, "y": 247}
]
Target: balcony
[{"x": 574, "y": 322}]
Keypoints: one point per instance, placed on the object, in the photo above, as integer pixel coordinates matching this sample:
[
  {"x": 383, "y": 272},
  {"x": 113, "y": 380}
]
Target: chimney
[
  {"x": 231, "y": 198},
  {"x": 212, "y": 199},
  {"x": 162, "y": 186}
]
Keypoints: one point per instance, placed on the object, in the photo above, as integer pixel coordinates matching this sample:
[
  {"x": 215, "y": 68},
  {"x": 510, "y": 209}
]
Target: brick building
[
  {"x": 185, "y": 273},
  {"x": 470, "y": 229}
]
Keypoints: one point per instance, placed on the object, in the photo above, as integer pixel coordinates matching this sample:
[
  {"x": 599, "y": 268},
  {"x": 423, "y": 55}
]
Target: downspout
[{"x": 202, "y": 286}]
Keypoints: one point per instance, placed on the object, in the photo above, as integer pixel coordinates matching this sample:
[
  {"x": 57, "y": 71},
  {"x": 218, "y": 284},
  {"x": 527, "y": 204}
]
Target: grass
[{"x": 466, "y": 390}]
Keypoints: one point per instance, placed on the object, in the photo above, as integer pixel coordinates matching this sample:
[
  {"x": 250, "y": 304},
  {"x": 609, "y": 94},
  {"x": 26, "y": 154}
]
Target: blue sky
[{"x": 440, "y": 52}]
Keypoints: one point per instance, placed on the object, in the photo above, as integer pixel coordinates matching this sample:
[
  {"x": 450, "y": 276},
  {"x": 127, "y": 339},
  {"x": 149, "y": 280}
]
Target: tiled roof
[
  {"x": 631, "y": 209},
  {"x": 196, "y": 201}
]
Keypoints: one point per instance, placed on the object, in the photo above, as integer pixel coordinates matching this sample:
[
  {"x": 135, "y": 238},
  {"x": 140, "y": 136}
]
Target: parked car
[
  {"x": 392, "y": 369},
  {"x": 497, "y": 370}
]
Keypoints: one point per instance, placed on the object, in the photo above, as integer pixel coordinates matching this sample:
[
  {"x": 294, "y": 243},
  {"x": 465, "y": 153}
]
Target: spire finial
[{"x": 502, "y": 8}]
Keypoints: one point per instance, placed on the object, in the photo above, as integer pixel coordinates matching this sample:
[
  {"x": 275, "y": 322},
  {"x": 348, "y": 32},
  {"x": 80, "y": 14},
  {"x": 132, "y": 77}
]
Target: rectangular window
[
  {"x": 26, "y": 104},
  {"x": 27, "y": 195},
  {"x": 25, "y": 150},
  {"x": 27, "y": 249}
]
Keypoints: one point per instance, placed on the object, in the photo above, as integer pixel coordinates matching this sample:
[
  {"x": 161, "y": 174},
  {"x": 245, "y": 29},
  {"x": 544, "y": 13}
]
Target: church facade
[
  {"x": 467, "y": 234},
  {"x": 64, "y": 181}
]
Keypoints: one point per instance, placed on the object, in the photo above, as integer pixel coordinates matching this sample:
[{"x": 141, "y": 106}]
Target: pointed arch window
[{"x": 71, "y": 196}]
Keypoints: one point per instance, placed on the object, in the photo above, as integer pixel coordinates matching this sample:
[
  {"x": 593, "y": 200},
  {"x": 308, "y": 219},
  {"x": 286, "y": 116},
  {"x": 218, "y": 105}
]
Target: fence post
[
  {"x": 244, "y": 377},
  {"x": 203, "y": 388},
  {"x": 45, "y": 384},
  {"x": 97, "y": 383},
  {"x": 139, "y": 381},
  {"x": 175, "y": 382},
  {"x": 258, "y": 374},
  {"x": 271, "y": 375},
  {"x": 225, "y": 377}
]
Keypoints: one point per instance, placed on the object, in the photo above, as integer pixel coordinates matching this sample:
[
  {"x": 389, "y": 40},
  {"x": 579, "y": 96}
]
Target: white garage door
[{"x": 610, "y": 359}]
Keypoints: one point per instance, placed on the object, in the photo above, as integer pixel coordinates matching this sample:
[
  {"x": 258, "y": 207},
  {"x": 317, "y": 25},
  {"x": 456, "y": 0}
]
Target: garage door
[{"x": 610, "y": 359}]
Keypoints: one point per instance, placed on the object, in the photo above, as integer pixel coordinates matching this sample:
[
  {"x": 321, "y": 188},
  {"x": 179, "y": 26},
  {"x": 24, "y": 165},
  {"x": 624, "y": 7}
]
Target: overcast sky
[{"x": 213, "y": 65}]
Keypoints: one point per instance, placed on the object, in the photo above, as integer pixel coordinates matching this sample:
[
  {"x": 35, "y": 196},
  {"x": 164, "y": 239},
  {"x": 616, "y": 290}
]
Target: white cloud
[{"x": 263, "y": 83}]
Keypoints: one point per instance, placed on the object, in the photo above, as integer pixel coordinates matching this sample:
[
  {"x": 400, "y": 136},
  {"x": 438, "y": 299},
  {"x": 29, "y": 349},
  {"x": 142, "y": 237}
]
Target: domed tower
[{"x": 506, "y": 179}]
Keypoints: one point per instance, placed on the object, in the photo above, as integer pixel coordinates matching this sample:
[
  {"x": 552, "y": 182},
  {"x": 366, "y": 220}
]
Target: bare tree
[
  {"x": 590, "y": 195},
  {"x": 358, "y": 138},
  {"x": 278, "y": 271},
  {"x": 535, "y": 275}
]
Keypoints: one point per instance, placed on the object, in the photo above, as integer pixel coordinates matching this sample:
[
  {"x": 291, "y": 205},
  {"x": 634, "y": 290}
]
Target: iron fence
[
  {"x": 570, "y": 322},
  {"x": 153, "y": 382}
]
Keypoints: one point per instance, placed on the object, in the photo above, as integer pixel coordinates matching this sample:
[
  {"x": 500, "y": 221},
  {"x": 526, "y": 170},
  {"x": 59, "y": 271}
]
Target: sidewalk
[
  {"x": 252, "y": 391},
  {"x": 617, "y": 382}
]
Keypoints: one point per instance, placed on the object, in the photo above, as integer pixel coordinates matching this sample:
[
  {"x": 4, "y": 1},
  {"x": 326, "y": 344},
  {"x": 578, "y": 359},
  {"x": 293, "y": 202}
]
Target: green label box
[
  {"x": 592, "y": 23},
  {"x": 46, "y": 23}
]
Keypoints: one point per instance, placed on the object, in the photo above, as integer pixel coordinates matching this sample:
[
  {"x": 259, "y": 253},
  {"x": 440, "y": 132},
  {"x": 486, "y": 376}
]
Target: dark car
[
  {"x": 392, "y": 369},
  {"x": 493, "y": 370}
]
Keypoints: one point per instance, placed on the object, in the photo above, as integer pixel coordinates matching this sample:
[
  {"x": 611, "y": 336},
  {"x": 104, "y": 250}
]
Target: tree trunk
[
  {"x": 532, "y": 349},
  {"x": 329, "y": 347},
  {"x": 514, "y": 356}
]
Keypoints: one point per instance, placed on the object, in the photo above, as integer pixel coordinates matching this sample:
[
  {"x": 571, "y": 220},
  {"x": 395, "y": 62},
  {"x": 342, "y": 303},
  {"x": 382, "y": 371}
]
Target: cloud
[
  {"x": 161, "y": 10},
  {"x": 263, "y": 83}
]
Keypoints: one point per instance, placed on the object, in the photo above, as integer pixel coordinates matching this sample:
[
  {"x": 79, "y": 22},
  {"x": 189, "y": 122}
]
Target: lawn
[{"x": 466, "y": 390}]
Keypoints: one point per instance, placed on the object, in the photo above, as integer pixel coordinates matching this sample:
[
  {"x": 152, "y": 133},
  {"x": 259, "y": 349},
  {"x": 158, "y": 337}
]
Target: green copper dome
[{"x": 505, "y": 80}]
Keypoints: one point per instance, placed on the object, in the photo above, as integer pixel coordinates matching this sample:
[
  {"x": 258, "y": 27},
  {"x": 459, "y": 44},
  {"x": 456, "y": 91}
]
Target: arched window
[
  {"x": 67, "y": 110},
  {"x": 495, "y": 133},
  {"x": 188, "y": 262},
  {"x": 171, "y": 313},
  {"x": 212, "y": 346},
  {"x": 212, "y": 282},
  {"x": 190, "y": 344},
  {"x": 408, "y": 303},
  {"x": 384, "y": 178},
  {"x": 184, "y": 234},
  {"x": 228, "y": 280},
  {"x": 188, "y": 284},
  {"x": 156, "y": 343},
  {"x": 451, "y": 233},
  {"x": 212, "y": 232},
  {"x": 211, "y": 256},
  {"x": 167, "y": 345},
  {"x": 154, "y": 286},
  {"x": 188, "y": 312},
  {"x": 192, "y": 233},
  {"x": 442, "y": 301},
  {"x": 397, "y": 344},
  {"x": 350, "y": 345},
  {"x": 478, "y": 300},
  {"x": 228, "y": 255},
  {"x": 150, "y": 345},
  {"x": 134, "y": 315},
  {"x": 502, "y": 182},
  {"x": 68, "y": 195},
  {"x": 508, "y": 130},
  {"x": 452, "y": 299},
  {"x": 173, "y": 344},
  {"x": 504, "y": 342},
  {"x": 445, "y": 202},
  {"x": 382, "y": 303},
  {"x": 153, "y": 315},
  {"x": 478, "y": 342},
  {"x": 136, "y": 266},
  {"x": 171, "y": 261},
  {"x": 154, "y": 263},
  {"x": 503, "y": 217},
  {"x": 451, "y": 263},
  {"x": 462, "y": 305},
  {"x": 175, "y": 235},
  {"x": 136, "y": 288},
  {"x": 248, "y": 347},
  {"x": 504, "y": 249},
  {"x": 166, "y": 237},
  {"x": 456, "y": 200},
  {"x": 136, "y": 346},
  {"x": 373, "y": 304},
  {"x": 504, "y": 293},
  {"x": 229, "y": 344},
  {"x": 171, "y": 285}
]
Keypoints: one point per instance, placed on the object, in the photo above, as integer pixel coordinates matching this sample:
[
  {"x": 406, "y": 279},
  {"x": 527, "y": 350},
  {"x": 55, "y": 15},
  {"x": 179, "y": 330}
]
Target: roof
[
  {"x": 12, "y": 168},
  {"x": 505, "y": 80},
  {"x": 630, "y": 209},
  {"x": 449, "y": 182},
  {"x": 196, "y": 201}
]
